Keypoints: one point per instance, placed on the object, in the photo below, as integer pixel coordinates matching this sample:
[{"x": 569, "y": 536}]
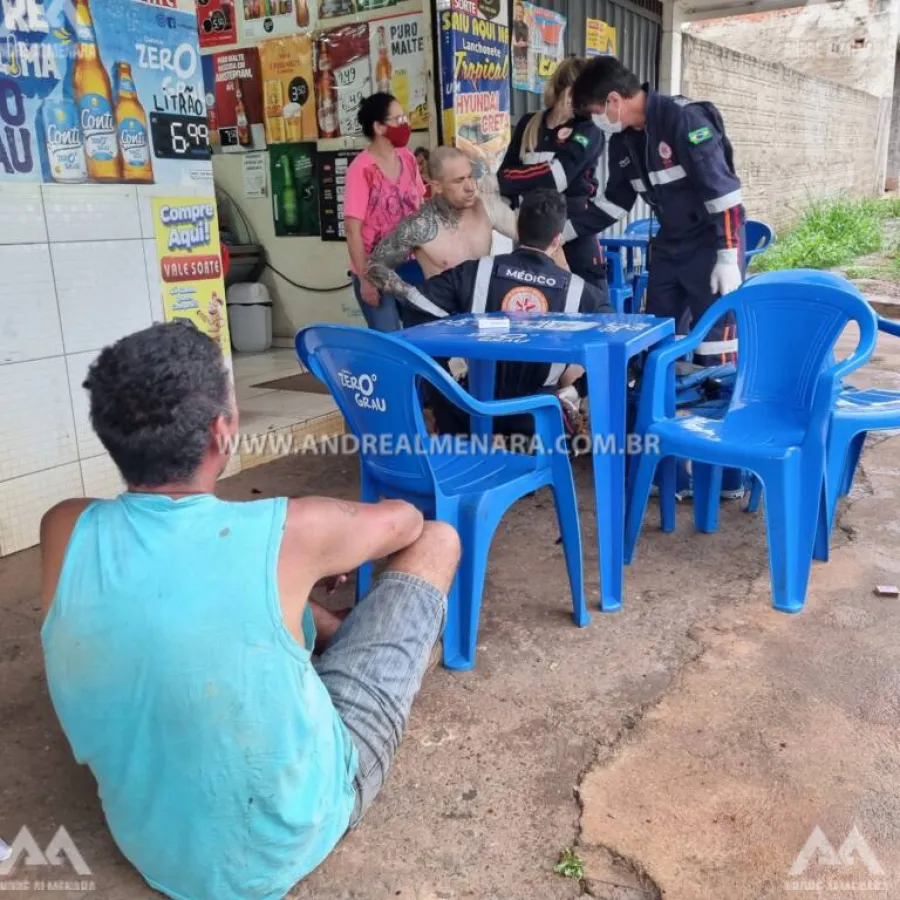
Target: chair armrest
[
  {"x": 492, "y": 408},
  {"x": 888, "y": 327}
]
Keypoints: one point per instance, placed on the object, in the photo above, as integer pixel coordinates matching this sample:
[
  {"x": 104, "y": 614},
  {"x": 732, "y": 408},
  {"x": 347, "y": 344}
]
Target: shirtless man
[{"x": 455, "y": 225}]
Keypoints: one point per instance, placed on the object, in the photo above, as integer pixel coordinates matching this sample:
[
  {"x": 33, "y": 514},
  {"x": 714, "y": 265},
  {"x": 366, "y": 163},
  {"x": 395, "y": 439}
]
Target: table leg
[
  {"x": 607, "y": 384},
  {"x": 482, "y": 378}
]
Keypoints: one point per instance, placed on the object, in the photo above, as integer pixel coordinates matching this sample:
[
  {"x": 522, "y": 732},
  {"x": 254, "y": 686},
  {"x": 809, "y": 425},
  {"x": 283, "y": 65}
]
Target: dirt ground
[{"x": 687, "y": 747}]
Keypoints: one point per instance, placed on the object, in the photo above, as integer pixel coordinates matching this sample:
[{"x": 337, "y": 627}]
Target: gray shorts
[{"x": 373, "y": 668}]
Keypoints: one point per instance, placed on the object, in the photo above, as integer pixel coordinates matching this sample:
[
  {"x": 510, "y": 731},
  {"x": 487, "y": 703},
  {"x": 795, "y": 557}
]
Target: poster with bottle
[
  {"x": 103, "y": 93},
  {"x": 344, "y": 78},
  {"x": 189, "y": 257},
  {"x": 216, "y": 23},
  {"x": 272, "y": 18},
  {"x": 289, "y": 104},
  {"x": 295, "y": 200},
  {"x": 331, "y": 170},
  {"x": 239, "y": 108},
  {"x": 399, "y": 66}
]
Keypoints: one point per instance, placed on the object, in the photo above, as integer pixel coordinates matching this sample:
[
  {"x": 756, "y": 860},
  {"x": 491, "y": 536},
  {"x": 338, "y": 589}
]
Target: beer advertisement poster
[
  {"x": 475, "y": 61},
  {"x": 289, "y": 102},
  {"x": 331, "y": 168},
  {"x": 344, "y": 78},
  {"x": 239, "y": 107},
  {"x": 295, "y": 203},
  {"x": 216, "y": 23},
  {"x": 189, "y": 257},
  {"x": 101, "y": 92},
  {"x": 272, "y": 18},
  {"x": 399, "y": 66}
]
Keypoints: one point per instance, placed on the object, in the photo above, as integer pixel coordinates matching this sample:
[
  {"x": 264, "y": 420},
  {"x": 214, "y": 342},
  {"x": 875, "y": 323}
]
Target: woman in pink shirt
[{"x": 383, "y": 186}]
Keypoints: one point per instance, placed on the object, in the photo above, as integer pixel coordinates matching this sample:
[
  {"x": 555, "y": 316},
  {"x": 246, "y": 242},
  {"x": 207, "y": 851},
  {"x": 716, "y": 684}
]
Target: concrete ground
[{"x": 686, "y": 747}]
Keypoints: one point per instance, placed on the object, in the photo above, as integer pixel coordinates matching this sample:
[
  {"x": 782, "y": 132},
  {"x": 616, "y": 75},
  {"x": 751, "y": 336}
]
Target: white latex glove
[{"x": 726, "y": 273}]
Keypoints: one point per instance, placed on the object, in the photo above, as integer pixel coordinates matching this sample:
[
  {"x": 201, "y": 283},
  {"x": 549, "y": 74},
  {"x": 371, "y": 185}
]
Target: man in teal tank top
[{"x": 179, "y": 638}]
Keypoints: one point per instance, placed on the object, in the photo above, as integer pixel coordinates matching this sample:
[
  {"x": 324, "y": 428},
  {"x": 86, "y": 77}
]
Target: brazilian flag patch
[
  {"x": 700, "y": 135},
  {"x": 582, "y": 139}
]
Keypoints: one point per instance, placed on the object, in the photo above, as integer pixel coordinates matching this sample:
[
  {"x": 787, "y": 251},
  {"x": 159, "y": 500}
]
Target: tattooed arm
[{"x": 412, "y": 232}]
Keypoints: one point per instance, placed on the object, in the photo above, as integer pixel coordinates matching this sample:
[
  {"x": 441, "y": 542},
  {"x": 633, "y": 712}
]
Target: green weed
[
  {"x": 570, "y": 865},
  {"x": 829, "y": 234}
]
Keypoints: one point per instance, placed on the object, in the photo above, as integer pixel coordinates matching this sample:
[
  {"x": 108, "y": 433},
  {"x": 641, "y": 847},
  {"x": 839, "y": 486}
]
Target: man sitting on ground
[
  {"x": 179, "y": 635},
  {"x": 527, "y": 280}
]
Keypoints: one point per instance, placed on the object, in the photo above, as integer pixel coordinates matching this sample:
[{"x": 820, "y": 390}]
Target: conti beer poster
[
  {"x": 189, "y": 257},
  {"x": 271, "y": 18},
  {"x": 101, "y": 92},
  {"x": 238, "y": 114},
  {"x": 295, "y": 202},
  {"x": 344, "y": 78},
  {"x": 475, "y": 82},
  {"x": 398, "y": 64},
  {"x": 289, "y": 103},
  {"x": 216, "y": 23}
]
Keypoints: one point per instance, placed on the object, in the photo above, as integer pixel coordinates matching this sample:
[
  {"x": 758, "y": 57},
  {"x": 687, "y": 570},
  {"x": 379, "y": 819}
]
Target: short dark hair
[
  {"x": 423, "y": 152},
  {"x": 598, "y": 79},
  {"x": 153, "y": 397},
  {"x": 542, "y": 217},
  {"x": 374, "y": 109}
]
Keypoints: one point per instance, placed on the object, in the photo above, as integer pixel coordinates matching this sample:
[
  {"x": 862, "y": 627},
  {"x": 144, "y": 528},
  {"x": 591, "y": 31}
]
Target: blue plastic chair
[
  {"x": 775, "y": 425},
  {"x": 758, "y": 235},
  {"x": 374, "y": 379},
  {"x": 620, "y": 291},
  {"x": 856, "y": 412},
  {"x": 643, "y": 228},
  {"x": 640, "y": 276}
]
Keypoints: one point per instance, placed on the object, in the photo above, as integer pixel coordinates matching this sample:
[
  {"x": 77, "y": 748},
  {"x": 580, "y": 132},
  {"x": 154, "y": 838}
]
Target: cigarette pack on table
[{"x": 492, "y": 323}]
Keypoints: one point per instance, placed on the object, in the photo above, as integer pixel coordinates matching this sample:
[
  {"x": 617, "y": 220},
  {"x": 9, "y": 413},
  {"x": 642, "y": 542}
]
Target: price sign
[{"x": 179, "y": 137}]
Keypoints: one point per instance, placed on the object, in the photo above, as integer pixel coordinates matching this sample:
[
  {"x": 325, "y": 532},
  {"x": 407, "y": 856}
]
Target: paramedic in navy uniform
[
  {"x": 555, "y": 149},
  {"x": 526, "y": 280},
  {"x": 672, "y": 152}
]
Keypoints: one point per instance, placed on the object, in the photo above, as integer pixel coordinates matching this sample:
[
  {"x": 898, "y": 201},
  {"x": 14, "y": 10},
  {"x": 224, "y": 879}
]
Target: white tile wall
[
  {"x": 88, "y": 213},
  {"x": 37, "y": 429},
  {"x": 29, "y": 318},
  {"x": 77, "y": 272},
  {"x": 23, "y": 501},
  {"x": 102, "y": 291},
  {"x": 154, "y": 282},
  {"x": 101, "y": 477},
  {"x": 88, "y": 443},
  {"x": 22, "y": 214}
]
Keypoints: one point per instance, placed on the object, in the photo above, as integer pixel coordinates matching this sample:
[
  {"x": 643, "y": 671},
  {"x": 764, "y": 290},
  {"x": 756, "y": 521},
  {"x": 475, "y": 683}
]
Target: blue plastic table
[{"x": 603, "y": 344}]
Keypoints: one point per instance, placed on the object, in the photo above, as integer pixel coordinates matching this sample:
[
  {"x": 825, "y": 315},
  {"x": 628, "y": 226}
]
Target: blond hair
[{"x": 562, "y": 79}]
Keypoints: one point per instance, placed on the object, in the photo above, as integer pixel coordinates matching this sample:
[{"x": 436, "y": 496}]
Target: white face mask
[{"x": 601, "y": 120}]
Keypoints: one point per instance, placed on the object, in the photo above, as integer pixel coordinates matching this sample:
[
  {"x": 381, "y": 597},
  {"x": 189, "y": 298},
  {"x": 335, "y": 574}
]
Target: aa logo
[
  {"x": 852, "y": 867},
  {"x": 61, "y": 847}
]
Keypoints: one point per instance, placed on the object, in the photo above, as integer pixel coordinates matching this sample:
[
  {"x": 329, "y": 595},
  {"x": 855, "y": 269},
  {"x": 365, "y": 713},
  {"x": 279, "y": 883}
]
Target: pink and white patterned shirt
[{"x": 378, "y": 202}]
